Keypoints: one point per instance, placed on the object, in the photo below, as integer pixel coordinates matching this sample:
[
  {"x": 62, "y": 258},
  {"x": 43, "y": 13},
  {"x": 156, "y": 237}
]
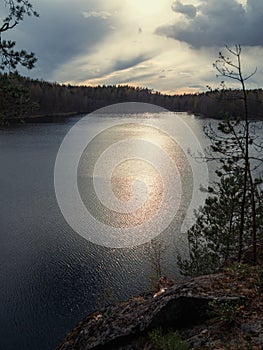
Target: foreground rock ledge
[{"x": 185, "y": 305}]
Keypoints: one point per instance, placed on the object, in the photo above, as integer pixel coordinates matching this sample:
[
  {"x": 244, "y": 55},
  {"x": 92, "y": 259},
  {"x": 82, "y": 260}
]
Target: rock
[
  {"x": 163, "y": 284},
  {"x": 196, "y": 341},
  {"x": 250, "y": 329},
  {"x": 116, "y": 327}
]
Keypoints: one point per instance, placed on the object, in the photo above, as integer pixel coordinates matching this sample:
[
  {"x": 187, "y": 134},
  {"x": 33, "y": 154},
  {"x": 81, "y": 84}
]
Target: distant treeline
[{"x": 22, "y": 97}]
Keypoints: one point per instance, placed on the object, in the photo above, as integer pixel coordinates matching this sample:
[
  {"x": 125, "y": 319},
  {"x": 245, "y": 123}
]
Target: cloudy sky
[{"x": 166, "y": 45}]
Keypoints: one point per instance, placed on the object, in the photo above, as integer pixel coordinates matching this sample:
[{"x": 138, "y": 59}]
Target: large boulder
[{"x": 115, "y": 327}]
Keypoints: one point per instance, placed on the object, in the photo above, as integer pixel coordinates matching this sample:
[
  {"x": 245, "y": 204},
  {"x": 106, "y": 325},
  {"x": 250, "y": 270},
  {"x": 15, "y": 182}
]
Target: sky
[{"x": 165, "y": 45}]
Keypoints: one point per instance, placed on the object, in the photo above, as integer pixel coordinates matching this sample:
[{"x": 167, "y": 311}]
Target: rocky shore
[{"x": 219, "y": 311}]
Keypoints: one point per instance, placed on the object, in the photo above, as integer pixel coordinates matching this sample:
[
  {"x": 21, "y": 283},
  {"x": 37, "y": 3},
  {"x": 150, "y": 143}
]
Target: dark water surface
[{"x": 50, "y": 276}]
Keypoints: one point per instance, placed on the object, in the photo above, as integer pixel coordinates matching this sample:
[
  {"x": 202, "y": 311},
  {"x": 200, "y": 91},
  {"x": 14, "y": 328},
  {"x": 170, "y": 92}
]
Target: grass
[{"x": 167, "y": 341}]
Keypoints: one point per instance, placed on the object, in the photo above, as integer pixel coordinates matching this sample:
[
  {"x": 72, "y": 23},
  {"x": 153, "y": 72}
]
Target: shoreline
[{"x": 62, "y": 117}]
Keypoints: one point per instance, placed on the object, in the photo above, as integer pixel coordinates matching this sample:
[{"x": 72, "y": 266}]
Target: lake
[{"x": 56, "y": 263}]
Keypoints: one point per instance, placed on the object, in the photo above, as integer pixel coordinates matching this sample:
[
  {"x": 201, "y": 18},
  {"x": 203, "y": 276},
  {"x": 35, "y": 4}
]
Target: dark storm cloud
[
  {"x": 129, "y": 63},
  {"x": 129, "y": 78},
  {"x": 188, "y": 10},
  {"x": 60, "y": 33},
  {"x": 216, "y": 23}
]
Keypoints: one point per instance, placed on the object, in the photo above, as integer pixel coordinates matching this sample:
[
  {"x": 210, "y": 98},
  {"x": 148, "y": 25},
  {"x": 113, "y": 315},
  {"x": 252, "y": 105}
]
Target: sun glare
[{"x": 146, "y": 8}]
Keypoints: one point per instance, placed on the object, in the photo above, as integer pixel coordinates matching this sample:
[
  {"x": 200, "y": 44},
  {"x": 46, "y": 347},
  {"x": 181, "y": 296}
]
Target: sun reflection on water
[{"x": 133, "y": 179}]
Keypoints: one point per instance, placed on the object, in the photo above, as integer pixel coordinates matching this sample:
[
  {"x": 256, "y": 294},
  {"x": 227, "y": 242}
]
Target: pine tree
[{"x": 231, "y": 219}]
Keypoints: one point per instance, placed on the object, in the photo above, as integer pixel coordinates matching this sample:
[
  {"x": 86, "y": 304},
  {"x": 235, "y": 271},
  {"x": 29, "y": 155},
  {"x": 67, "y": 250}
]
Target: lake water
[{"x": 52, "y": 276}]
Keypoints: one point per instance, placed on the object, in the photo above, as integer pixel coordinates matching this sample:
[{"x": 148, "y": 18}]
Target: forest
[{"x": 22, "y": 99}]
